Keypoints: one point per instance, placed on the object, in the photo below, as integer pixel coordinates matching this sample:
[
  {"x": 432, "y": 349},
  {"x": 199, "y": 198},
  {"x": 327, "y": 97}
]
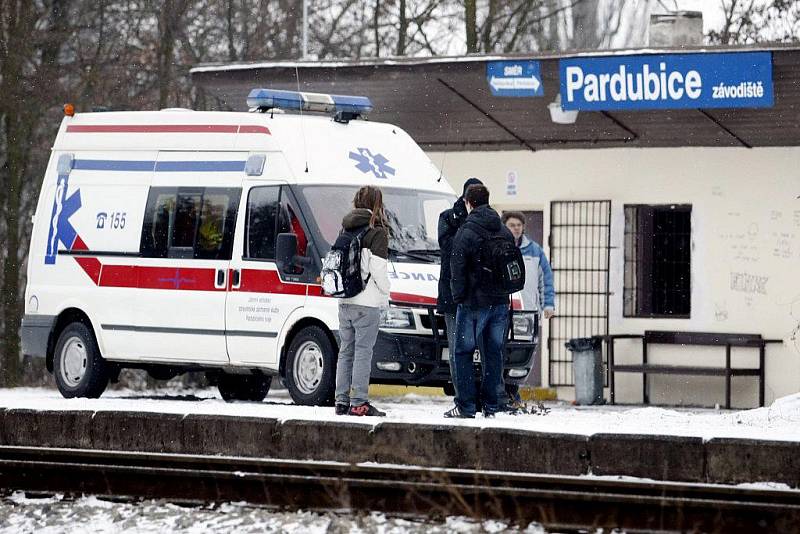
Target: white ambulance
[{"x": 179, "y": 240}]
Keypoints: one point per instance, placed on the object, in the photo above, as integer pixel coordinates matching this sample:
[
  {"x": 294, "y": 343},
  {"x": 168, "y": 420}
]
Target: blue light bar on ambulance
[{"x": 275, "y": 98}]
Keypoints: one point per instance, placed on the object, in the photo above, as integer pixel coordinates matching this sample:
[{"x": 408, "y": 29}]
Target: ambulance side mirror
[{"x": 285, "y": 250}]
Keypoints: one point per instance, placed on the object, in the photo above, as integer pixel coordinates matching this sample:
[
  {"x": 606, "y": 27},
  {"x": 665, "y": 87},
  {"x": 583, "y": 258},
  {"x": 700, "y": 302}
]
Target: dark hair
[
  {"x": 513, "y": 215},
  {"x": 469, "y": 182},
  {"x": 371, "y": 198},
  {"x": 477, "y": 195}
]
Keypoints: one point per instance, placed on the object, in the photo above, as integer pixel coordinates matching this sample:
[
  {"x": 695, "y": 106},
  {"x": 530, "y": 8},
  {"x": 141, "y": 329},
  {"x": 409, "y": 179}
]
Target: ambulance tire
[
  {"x": 78, "y": 367},
  {"x": 243, "y": 387},
  {"x": 316, "y": 386},
  {"x": 449, "y": 389}
]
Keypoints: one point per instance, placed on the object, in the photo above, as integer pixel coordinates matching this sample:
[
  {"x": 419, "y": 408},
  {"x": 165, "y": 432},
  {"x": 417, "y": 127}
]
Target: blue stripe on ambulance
[{"x": 158, "y": 166}]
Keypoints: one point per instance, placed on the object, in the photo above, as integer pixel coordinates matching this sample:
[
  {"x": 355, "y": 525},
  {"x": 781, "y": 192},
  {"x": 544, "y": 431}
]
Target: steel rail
[{"x": 559, "y": 502}]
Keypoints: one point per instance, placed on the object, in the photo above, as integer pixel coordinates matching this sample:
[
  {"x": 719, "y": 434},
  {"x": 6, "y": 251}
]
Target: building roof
[{"x": 445, "y": 102}]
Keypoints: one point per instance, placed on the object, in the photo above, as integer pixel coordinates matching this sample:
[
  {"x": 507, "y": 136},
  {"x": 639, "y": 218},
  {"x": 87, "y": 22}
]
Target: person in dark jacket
[
  {"x": 450, "y": 220},
  {"x": 480, "y": 313}
]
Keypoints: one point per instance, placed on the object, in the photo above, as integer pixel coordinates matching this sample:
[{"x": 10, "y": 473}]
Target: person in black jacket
[
  {"x": 450, "y": 220},
  {"x": 480, "y": 313}
]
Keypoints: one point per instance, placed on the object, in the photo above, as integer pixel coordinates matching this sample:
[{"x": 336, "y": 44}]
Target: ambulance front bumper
[{"x": 421, "y": 359}]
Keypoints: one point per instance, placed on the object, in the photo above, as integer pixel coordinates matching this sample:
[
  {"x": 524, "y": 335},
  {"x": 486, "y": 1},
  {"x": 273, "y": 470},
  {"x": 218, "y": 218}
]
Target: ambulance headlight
[
  {"x": 397, "y": 318},
  {"x": 523, "y": 324}
]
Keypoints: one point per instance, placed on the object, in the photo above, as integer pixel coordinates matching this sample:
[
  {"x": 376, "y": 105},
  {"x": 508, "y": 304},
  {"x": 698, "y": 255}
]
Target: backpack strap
[{"x": 360, "y": 236}]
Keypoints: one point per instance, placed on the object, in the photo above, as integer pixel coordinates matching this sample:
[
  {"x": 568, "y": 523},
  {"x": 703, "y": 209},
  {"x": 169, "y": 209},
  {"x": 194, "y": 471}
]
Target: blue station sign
[
  {"x": 514, "y": 78},
  {"x": 667, "y": 81}
]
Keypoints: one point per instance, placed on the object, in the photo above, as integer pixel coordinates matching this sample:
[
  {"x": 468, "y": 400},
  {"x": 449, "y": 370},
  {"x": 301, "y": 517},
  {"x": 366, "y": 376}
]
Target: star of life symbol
[
  {"x": 366, "y": 162},
  {"x": 60, "y": 227}
]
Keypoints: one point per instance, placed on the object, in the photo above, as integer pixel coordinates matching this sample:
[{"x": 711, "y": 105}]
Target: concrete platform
[{"x": 679, "y": 458}]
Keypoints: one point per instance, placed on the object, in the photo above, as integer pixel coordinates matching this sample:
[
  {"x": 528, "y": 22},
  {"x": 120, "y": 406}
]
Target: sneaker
[
  {"x": 342, "y": 409},
  {"x": 515, "y": 408},
  {"x": 488, "y": 415},
  {"x": 366, "y": 409},
  {"x": 456, "y": 413}
]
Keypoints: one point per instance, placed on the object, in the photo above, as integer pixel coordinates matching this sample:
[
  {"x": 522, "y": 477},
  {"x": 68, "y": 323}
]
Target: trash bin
[{"x": 587, "y": 369}]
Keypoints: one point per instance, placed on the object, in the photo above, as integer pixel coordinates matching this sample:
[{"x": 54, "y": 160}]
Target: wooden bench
[{"x": 662, "y": 337}]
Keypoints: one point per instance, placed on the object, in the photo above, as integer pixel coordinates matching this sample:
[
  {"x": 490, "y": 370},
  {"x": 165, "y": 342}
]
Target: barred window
[{"x": 657, "y": 261}]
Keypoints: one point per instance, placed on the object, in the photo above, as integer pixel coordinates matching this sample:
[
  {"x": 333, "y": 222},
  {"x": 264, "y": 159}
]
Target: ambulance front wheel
[
  {"x": 311, "y": 368},
  {"x": 79, "y": 369},
  {"x": 243, "y": 387}
]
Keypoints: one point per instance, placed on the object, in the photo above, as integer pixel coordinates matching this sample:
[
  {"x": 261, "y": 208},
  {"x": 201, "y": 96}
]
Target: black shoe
[
  {"x": 342, "y": 409},
  {"x": 515, "y": 408},
  {"x": 488, "y": 415},
  {"x": 366, "y": 409},
  {"x": 456, "y": 413}
]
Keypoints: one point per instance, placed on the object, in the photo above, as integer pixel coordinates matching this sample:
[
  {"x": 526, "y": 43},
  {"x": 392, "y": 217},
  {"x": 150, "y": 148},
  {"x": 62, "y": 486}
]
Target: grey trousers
[{"x": 358, "y": 330}]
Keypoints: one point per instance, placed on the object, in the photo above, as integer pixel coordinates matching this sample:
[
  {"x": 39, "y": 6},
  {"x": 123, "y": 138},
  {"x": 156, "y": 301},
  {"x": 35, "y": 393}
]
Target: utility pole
[{"x": 305, "y": 29}]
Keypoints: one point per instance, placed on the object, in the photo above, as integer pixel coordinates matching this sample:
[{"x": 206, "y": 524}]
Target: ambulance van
[{"x": 180, "y": 240}]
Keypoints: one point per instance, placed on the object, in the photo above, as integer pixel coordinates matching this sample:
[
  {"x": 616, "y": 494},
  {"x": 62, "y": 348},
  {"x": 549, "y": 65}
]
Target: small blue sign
[
  {"x": 514, "y": 78},
  {"x": 667, "y": 81}
]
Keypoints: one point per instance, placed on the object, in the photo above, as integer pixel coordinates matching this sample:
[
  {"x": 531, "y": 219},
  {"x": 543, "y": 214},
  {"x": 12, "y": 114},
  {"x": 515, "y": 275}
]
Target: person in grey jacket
[
  {"x": 539, "y": 293},
  {"x": 359, "y": 316}
]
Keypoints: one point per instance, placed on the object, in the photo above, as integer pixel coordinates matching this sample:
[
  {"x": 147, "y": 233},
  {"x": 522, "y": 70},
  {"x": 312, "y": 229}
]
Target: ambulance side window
[
  {"x": 189, "y": 223},
  {"x": 262, "y": 213}
]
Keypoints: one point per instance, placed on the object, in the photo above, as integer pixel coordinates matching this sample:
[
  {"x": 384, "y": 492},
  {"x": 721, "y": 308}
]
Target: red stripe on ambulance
[
  {"x": 412, "y": 299},
  {"x": 202, "y": 279},
  {"x": 262, "y": 281},
  {"x": 167, "y": 128}
]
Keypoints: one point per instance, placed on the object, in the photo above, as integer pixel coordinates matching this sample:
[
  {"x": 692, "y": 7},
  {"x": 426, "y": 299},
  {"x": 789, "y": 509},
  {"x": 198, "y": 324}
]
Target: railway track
[{"x": 557, "y": 502}]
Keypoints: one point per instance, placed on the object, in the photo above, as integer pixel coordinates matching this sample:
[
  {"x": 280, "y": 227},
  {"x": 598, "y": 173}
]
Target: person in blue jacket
[{"x": 539, "y": 293}]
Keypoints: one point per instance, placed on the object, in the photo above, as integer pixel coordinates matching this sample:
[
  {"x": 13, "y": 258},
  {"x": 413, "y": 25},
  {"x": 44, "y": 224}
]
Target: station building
[{"x": 663, "y": 183}]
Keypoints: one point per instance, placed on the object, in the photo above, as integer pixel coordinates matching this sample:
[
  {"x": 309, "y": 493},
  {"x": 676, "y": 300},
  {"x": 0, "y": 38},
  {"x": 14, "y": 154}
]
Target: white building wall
[{"x": 745, "y": 223}]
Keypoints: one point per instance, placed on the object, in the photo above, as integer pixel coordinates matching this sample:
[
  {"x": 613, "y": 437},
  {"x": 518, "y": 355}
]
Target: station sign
[
  {"x": 514, "y": 78},
  {"x": 667, "y": 81}
]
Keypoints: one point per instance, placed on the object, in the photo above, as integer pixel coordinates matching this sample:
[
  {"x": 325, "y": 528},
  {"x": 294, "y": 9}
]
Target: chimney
[{"x": 676, "y": 29}]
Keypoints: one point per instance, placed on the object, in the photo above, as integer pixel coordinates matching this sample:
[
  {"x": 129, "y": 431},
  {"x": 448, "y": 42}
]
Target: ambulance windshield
[{"x": 413, "y": 217}]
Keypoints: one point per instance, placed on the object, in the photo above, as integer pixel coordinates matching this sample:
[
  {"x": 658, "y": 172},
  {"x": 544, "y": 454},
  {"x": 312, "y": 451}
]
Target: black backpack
[
  {"x": 341, "y": 266},
  {"x": 501, "y": 267}
]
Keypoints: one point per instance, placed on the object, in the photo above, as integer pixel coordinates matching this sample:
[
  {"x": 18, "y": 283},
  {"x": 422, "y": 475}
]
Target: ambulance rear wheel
[
  {"x": 79, "y": 369},
  {"x": 311, "y": 368},
  {"x": 243, "y": 387}
]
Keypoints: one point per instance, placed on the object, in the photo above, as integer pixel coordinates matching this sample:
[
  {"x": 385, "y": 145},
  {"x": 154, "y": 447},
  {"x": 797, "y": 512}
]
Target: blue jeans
[{"x": 472, "y": 324}]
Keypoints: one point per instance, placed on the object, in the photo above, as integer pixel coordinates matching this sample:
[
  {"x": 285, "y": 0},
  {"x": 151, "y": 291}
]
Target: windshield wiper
[
  {"x": 433, "y": 251},
  {"x": 411, "y": 254}
]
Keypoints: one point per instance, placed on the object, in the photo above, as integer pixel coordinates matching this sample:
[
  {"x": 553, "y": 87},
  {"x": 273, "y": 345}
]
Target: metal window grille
[
  {"x": 657, "y": 261},
  {"x": 580, "y": 237}
]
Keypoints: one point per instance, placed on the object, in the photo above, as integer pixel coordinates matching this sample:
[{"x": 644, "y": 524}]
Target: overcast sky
[{"x": 713, "y": 15}]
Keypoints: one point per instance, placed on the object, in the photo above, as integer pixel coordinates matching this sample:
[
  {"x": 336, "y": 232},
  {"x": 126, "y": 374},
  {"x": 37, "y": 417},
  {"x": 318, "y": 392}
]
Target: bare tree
[
  {"x": 31, "y": 37},
  {"x": 471, "y": 25},
  {"x": 170, "y": 18},
  {"x": 402, "y": 29},
  {"x": 747, "y": 21}
]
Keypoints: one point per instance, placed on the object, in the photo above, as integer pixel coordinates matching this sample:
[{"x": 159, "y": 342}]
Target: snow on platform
[{"x": 780, "y": 421}]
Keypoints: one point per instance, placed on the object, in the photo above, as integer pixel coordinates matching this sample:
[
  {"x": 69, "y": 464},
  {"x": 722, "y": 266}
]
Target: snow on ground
[
  {"x": 780, "y": 421},
  {"x": 56, "y": 515}
]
